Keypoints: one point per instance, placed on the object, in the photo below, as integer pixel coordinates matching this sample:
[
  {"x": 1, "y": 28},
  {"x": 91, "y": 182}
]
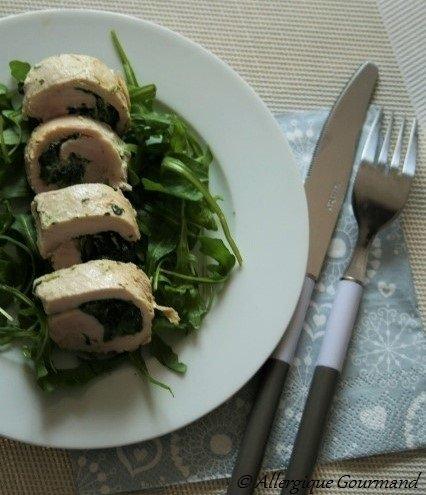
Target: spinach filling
[
  {"x": 101, "y": 111},
  {"x": 107, "y": 245},
  {"x": 53, "y": 171},
  {"x": 118, "y": 317}
]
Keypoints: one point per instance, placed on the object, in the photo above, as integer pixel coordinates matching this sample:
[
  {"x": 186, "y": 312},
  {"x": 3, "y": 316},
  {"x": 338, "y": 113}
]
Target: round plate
[{"x": 264, "y": 201}]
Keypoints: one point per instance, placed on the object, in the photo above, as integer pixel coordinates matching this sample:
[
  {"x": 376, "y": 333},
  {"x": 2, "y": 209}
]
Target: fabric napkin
[{"x": 381, "y": 401}]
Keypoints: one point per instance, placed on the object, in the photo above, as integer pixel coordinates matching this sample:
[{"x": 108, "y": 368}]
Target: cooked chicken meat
[
  {"x": 71, "y": 150},
  {"x": 98, "y": 306},
  {"x": 84, "y": 222},
  {"x": 76, "y": 84}
]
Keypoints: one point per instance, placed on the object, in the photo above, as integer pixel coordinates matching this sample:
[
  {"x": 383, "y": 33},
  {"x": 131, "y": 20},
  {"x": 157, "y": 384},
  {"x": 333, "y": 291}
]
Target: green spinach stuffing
[
  {"x": 99, "y": 111},
  {"x": 60, "y": 173},
  {"x": 107, "y": 245},
  {"x": 116, "y": 316}
]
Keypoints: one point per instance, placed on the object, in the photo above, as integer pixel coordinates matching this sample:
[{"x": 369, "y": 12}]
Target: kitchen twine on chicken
[{"x": 381, "y": 402}]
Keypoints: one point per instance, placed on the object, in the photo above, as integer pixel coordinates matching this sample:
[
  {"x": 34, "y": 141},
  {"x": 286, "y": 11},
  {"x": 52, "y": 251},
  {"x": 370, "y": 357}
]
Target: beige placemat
[
  {"x": 405, "y": 22},
  {"x": 296, "y": 54}
]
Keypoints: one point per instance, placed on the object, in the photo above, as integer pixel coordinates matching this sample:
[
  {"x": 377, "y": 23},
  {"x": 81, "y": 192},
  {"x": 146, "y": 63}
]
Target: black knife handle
[
  {"x": 252, "y": 449},
  {"x": 274, "y": 374},
  {"x": 311, "y": 429}
]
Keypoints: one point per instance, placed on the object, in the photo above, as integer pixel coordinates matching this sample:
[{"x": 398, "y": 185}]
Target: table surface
[{"x": 296, "y": 54}]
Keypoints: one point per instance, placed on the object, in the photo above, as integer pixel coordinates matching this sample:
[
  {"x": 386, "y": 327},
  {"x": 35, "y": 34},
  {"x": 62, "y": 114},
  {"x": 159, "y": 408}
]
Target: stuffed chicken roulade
[
  {"x": 72, "y": 150},
  {"x": 76, "y": 84},
  {"x": 99, "y": 306},
  {"x": 85, "y": 222}
]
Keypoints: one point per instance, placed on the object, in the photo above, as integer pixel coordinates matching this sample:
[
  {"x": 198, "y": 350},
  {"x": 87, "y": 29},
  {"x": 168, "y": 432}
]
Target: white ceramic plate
[{"x": 264, "y": 201}]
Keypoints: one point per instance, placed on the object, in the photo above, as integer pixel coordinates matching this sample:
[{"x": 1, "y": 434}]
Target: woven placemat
[{"x": 296, "y": 54}]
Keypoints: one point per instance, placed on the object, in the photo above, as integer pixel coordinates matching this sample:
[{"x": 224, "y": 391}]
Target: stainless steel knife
[{"x": 325, "y": 188}]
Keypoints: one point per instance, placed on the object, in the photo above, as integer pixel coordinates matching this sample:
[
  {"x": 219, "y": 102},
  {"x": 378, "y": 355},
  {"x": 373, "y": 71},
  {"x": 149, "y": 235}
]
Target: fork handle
[{"x": 326, "y": 375}]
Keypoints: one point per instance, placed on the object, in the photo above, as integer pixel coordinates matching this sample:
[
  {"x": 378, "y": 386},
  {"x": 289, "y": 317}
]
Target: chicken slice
[
  {"x": 73, "y": 149},
  {"x": 83, "y": 222},
  {"x": 98, "y": 306},
  {"x": 76, "y": 84}
]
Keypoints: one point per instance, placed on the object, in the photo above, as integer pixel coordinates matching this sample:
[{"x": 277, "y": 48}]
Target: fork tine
[
  {"x": 370, "y": 148},
  {"x": 396, "y": 157},
  {"x": 409, "y": 166},
  {"x": 384, "y": 151}
]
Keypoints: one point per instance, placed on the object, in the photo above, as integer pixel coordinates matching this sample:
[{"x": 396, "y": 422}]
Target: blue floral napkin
[{"x": 381, "y": 403}]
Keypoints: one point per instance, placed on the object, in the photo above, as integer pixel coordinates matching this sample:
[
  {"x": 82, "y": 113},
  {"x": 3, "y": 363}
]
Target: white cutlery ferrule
[{"x": 340, "y": 324}]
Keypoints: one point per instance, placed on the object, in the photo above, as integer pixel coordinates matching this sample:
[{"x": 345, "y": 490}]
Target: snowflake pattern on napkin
[{"x": 381, "y": 402}]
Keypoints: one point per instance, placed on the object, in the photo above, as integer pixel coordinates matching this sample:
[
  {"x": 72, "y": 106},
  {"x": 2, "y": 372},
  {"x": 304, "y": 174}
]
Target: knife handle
[
  {"x": 326, "y": 375},
  {"x": 244, "y": 476},
  {"x": 273, "y": 376}
]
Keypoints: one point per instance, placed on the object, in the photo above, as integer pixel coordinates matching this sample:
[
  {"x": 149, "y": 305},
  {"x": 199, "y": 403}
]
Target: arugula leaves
[
  {"x": 86, "y": 371},
  {"x": 23, "y": 224},
  {"x": 138, "y": 362},
  {"x": 216, "y": 249},
  {"x": 19, "y": 70},
  {"x": 175, "y": 209},
  {"x": 164, "y": 353},
  {"x": 177, "y": 216}
]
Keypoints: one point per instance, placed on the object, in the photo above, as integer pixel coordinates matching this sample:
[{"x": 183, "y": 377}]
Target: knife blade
[
  {"x": 325, "y": 188},
  {"x": 332, "y": 162}
]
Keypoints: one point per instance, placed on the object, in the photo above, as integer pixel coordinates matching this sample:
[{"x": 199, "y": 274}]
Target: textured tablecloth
[{"x": 296, "y": 54}]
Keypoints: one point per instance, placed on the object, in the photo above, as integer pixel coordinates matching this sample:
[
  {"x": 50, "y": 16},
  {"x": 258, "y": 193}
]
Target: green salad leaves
[{"x": 177, "y": 215}]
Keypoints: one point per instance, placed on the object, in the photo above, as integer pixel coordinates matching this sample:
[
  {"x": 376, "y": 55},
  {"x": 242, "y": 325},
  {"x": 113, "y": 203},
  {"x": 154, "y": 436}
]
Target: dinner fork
[{"x": 380, "y": 192}]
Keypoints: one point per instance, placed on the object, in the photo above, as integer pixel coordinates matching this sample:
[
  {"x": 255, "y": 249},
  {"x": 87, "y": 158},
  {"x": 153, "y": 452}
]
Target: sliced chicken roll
[
  {"x": 85, "y": 222},
  {"x": 71, "y": 150},
  {"x": 76, "y": 84},
  {"x": 99, "y": 306}
]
